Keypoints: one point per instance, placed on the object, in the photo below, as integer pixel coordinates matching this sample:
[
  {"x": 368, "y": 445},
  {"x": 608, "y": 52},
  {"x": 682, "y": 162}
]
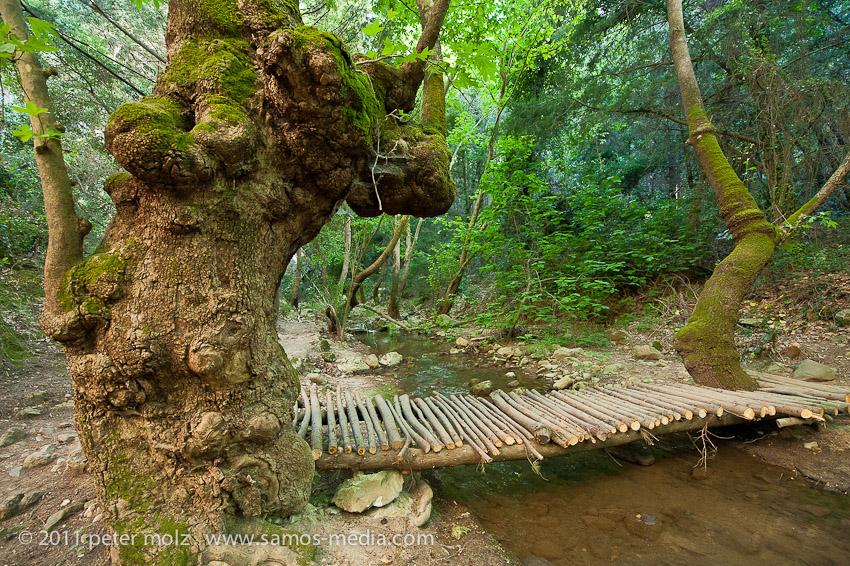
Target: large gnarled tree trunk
[
  {"x": 258, "y": 129},
  {"x": 707, "y": 342}
]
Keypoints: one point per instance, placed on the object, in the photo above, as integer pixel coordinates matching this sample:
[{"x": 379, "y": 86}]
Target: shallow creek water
[{"x": 590, "y": 509}]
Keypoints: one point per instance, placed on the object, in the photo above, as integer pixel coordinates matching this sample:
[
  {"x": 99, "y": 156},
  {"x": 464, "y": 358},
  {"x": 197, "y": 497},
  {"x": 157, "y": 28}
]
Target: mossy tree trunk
[
  {"x": 257, "y": 131},
  {"x": 707, "y": 342}
]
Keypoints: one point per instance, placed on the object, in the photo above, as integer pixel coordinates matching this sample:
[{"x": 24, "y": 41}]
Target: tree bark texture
[{"x": 257, "y": 131}]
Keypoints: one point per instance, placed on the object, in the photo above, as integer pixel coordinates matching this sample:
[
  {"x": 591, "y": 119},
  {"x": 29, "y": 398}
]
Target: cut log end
[
  {"x": 331, "y": 450},
  {"x": 749, "y": 414},
  {"x": 634, "y": 425},
  {"x": 317, "y": 453},
  {"x": 361, "y": 451},
  {"x": 459, "y": 443}
]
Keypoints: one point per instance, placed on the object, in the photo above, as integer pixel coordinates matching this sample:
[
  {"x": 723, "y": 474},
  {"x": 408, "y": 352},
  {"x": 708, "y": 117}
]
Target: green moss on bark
[
  {"x": 707, "y": 342},
  {"x": 364, "y": 110},
  {"x": 223, "y": 13},
  {"x": 82, "y": 277},
  {"x": 224, "y": 64},
  {"x": 158, "y": 119}
]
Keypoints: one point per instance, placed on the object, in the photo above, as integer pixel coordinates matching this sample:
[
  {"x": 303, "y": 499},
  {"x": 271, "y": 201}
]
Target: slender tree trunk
[
  {"x": 357, "y": 280},
  {"x": 392, "y": 307},
  {"x": 408, "y": 255},
  {"x": 707, "y": 342},
  {"x": 66, "y": 230},
  {"x": 380, "y": 281},
  {"x": 182, "y": 393},
  {"x": 347, "y": 257},
  {"x": 296, "y": 280}
]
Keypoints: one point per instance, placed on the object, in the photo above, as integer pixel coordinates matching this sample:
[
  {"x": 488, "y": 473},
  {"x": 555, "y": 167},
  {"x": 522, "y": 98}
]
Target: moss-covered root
[
  {"x": 707, "y": 343},
  {"x": 149, "y": 139}
]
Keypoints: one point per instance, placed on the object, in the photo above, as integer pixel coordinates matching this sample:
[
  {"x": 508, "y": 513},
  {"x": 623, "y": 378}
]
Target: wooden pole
[
  {"x": 455, "y": 434},
  {"x": 343, "y": 423},
  {"x": 371, "y": 435},
  {"x": 431, "y": 417},
  {"x": 598, "y": 428},
  {"x": 415, "y": 425},
  {"x": 355, "y": 425},
  {"x": 465, "y": 431},
  {"x": 302, "y": 431},
  {"x": 583, "y": 398},
  {"x": 332, "y": 443},
  {"x": 614, "y": 423},
  {"x": 539, "y": 431},
  {"x": 389, "y": 423},
  {"x": 316, "y": 428}
]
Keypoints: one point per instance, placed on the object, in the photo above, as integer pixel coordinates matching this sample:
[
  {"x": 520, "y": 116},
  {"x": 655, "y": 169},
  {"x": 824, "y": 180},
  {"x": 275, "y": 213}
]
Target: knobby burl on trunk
[{"x": 258, "y": 129}]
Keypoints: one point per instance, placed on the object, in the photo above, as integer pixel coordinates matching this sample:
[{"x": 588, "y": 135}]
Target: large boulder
[
  {"x": 810, "y": 370},
  {"x": 359, "y": 493},
  {"x": 12, "y": 435},
  {"x": 391, "y": 359},
  {"x": 414, "y": 506},
  {"x": 646, "y": 352},
  {"x": 563, "y": 354},
  {"x": 352, "y": 366},
  {"x": 481, "y": 388},
  {"x": 41, "y": 457},
  {"x": 842, "y": 317}
]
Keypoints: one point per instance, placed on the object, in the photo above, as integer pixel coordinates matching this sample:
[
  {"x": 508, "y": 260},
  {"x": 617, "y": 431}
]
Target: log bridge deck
[{"x": 346, "y": 430}]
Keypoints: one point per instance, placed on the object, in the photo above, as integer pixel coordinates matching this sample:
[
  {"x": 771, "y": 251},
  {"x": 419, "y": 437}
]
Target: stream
[{"x": 591, "y": 509}]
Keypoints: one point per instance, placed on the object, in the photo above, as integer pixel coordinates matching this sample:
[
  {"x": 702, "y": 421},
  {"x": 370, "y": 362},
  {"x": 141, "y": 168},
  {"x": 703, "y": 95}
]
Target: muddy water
[{"x": 589, "y": 509}]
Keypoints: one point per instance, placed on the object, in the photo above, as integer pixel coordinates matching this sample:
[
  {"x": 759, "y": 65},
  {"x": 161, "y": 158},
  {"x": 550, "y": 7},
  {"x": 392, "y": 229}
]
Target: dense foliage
[{"x": 575, "y": 185}]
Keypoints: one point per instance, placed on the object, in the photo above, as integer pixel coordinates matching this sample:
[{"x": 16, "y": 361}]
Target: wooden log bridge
[{"x": 348, "y": 431}]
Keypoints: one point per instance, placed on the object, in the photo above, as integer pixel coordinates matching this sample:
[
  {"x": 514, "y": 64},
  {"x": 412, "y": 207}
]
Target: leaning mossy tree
[
  {"x": 257, "y": 131},
  {"x": 707, "y": 342}
]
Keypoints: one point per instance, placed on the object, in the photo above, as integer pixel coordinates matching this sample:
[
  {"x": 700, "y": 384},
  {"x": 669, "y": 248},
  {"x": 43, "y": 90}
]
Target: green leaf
[
  {"x": 23, "y": 133},
  {"x": 391, "y": 47},
  {"x": 373, "y": 29},
  {"x": 391, "y": 14},
  {"x": 41, "y": 28},
  {"x": 30, "y": 109}
]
